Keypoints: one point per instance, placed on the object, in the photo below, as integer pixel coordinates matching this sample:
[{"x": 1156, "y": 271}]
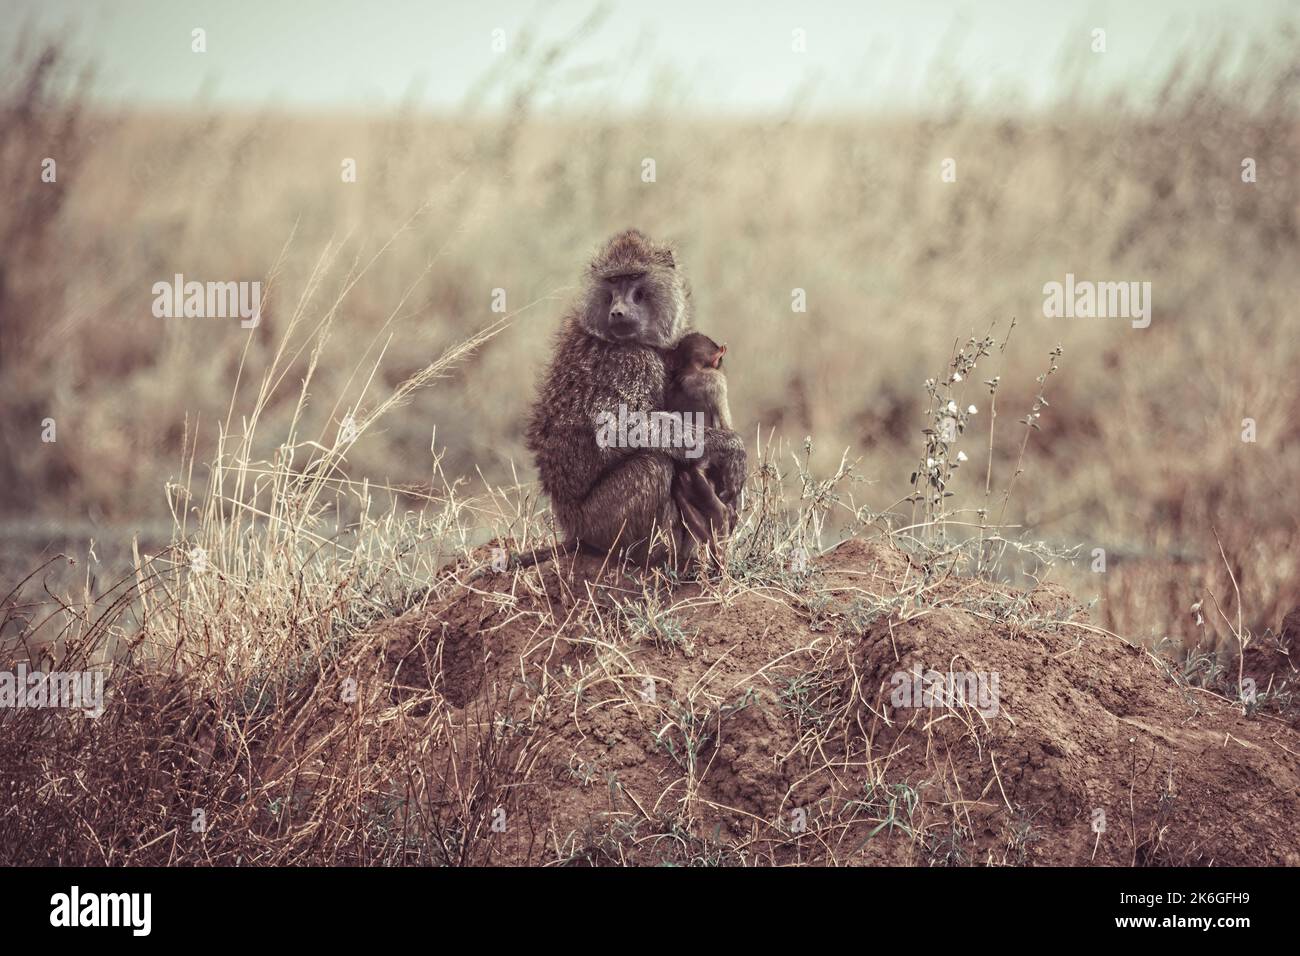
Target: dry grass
[{"x": 897, "y": 266}]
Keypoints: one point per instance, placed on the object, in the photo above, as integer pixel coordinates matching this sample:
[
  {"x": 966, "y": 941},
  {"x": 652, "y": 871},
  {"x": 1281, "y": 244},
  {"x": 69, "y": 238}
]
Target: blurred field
[{"x": 1139, "y": 452}]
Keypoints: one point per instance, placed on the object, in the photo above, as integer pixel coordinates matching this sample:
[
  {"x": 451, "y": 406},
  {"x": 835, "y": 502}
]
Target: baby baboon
[
  {"x": 635, "y": 302},
  {"x": 695, "y": 380},
  {"x": 697, "y": 386}
]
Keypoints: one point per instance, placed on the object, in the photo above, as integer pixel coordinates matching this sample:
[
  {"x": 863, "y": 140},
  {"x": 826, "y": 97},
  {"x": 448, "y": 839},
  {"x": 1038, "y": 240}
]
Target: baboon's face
[{"x": 630, "y": 310}]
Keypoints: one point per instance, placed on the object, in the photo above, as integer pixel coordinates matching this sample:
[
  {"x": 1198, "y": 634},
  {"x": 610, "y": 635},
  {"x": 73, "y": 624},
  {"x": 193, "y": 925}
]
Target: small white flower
[
  {"x": 971, "y": 410},
  {"x": 961, "y": 456},
  {"x": 952, "y": 408},
  {"x": 956, "y": 376},
  {"x": 929, "y": 463}
]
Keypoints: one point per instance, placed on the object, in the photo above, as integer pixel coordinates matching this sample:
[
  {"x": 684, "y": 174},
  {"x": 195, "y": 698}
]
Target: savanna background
[{"x": 481, "y": 169}]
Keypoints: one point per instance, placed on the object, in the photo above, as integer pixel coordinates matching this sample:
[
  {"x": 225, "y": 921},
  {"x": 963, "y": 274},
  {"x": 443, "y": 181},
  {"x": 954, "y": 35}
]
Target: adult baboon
[{"x": 634, "y": 302}]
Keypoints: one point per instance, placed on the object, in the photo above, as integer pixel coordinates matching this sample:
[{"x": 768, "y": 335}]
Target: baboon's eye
[{"x": 637, "y": 295}]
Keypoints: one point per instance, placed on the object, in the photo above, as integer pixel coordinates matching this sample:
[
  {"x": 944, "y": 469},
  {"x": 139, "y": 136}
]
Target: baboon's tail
[{"x": 528, "y": 559}]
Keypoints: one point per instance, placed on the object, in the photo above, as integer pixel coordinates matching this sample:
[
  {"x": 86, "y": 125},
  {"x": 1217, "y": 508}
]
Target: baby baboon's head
[
  {"x": 695, "y": 351},
  {"x": 636, "y": 294}
]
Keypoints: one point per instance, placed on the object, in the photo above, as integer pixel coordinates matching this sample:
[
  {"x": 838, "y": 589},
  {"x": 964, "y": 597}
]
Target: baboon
[
  {"x": 635, "y": 302},
  {"x": 695, "y": 379},
  {"x": 698, "y": 387}
]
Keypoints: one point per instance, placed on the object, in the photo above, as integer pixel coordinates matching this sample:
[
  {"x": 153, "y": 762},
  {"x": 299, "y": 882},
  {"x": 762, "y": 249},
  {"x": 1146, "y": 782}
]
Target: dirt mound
[
  {"x": 1271, "y": 660},
  {"x": 865, "y": 712}
]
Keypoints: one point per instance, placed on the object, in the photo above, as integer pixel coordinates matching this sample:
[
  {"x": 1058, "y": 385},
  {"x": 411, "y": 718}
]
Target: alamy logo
[
  {"x": 638, "y": 429},
  {"x": 72, "y": 690},
  {"x": 977, "y": 689},
  {"x": 1098, "y": 300},
  {"x": 208, "y": 300},
  {"x": 103, "y": 909}
]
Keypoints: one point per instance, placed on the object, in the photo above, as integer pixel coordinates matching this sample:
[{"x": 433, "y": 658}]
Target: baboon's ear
[
  {"x": 665, "y": 257},
  {"x": 717, "y": 357}
]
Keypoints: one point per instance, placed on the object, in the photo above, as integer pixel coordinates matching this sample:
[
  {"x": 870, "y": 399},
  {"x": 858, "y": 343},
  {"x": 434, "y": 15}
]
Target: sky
[{"x": 722, "y": 56}]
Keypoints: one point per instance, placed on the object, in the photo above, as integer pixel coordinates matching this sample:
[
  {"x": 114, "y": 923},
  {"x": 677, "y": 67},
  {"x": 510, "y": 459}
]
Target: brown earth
[
  {"x": 568, "y": 715},
  {"x": 770, "y": 737}
]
